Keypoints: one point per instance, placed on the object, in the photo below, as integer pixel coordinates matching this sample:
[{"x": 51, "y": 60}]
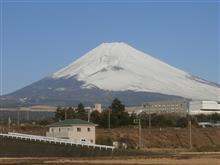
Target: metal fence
[{"x": 53, "y": 140}]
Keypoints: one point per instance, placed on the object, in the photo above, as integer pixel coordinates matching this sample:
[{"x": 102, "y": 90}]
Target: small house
[{"x": 74, "y": 129}]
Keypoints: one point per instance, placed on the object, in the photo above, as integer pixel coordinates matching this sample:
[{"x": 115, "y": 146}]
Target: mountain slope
[
  {"x": 119, "y": 67},
  {"x": 114, "y": 70}
]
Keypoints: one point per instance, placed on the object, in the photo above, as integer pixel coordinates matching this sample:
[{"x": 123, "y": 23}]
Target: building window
[
  {"x": 91, "y": 141},
  {"x": 88, "y": 129},
  {"x": 59, "y": 129},
  {"x": 78, "y": 129},
  {"x": 52, "y": 129}
]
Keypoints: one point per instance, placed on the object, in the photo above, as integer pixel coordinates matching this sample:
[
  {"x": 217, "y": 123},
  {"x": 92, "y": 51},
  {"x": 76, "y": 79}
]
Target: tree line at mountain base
[{"x": 116, "y": 116}]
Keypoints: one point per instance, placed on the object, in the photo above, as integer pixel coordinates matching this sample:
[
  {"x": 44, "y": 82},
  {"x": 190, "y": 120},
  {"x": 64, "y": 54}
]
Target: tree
[
  {"x": 59, "y": 115},
  {"x": 117, "y": 106},
  {"x": 118, "y": 115},
  {"x": 181, "y": 122},
  {"x": 215, "y": 117},
  {"x": 132, "y": 118},
  {"x": 104, "y": 119},
  {"x": 81, "y": 113},
  {"x": 95, "y": 117},
  {"x": 70, "y": 112},
  {"x": 80, "y": 107}
]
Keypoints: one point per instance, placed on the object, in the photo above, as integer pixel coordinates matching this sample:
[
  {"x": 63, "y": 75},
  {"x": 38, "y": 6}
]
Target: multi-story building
[
  {"x": 179, "y": 107},
  {"x": 204, "y": 107}
]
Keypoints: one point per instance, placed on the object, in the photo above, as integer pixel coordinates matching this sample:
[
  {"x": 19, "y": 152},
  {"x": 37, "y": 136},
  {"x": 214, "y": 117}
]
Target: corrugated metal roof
[{"x": 70, "y": 122}]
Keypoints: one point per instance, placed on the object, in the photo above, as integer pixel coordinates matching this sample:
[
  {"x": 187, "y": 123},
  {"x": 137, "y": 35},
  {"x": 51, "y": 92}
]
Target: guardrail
[{"x": 53, "y": 140}]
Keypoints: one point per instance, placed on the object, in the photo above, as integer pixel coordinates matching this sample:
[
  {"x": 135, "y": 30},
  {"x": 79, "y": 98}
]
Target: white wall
[{"x": 71, "y": 132}]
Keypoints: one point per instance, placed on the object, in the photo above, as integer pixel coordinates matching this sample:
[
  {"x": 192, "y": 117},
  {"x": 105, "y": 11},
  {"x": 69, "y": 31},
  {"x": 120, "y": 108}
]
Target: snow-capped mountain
[
  {"x": 116, "y": 70},
  {"x": 119, "y": 67}
]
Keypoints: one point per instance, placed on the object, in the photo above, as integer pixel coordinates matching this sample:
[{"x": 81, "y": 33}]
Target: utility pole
[
  {"x": 18, "y": 118},
  {"x": 147, "y": 106},
  {"x": 28, "y": 117},
  {"x": 149, "y": 115},
  {"x": 140, "y": 143},
  {"x": 189, "y": 125},
  {"x": 89, "y": 115},
  {"x": 9, "y": 123},
  {"x": 109, "y": 119},
  {"x": 138, "y": 121},
  {"x": 190, "y": 133},
  {"x": 65, "y": 111}
]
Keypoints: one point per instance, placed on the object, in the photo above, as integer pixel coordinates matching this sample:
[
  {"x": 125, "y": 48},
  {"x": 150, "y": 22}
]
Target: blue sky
[{"x": 39, "y": 38}]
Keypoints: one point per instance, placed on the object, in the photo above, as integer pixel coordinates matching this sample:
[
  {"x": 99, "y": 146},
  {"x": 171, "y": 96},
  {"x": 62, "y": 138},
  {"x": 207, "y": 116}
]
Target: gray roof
[{"x": 70, "y": 122}]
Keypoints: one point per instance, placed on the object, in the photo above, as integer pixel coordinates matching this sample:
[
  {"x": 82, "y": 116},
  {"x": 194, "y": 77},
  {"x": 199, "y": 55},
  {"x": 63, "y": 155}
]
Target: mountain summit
[{"x": 116, "y": 70}]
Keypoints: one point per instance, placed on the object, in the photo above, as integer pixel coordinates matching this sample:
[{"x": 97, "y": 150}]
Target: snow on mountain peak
[
  {"x": 119, "y": 67},
  {"x": 105, "y": 56}
]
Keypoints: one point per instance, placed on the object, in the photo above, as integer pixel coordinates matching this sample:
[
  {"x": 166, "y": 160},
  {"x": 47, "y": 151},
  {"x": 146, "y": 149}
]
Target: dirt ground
[
  {"x": 162, "y": 161},
  {"x": 188, "y": 158}
]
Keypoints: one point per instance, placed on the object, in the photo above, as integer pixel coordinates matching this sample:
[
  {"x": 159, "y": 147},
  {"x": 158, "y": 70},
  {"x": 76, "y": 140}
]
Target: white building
[
  {"x": 98, "y": 107},
  {"x": 134, "y": 109},
  {"x": 204, "y": 107},
  {"x": 74, "y": 129}
]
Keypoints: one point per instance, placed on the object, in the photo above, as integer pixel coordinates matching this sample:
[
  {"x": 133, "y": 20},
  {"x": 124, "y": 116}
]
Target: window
[
  {"x": 88, "y": 129},
  {"x": 78, "y": 129},
  {"x": 59, "y": 129},
  {"x": 91, "y": 141},
  {"x": 52, "y": 129}
]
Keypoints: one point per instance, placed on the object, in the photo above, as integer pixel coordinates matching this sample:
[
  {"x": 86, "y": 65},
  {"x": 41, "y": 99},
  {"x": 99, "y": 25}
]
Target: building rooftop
[{"x": 70, "y": 122}]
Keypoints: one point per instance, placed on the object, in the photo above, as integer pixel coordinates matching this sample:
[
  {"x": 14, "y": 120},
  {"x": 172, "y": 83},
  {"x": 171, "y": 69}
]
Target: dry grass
[
  {"x": 185, "y": 159},
  {"x": 174, "y": 138}
]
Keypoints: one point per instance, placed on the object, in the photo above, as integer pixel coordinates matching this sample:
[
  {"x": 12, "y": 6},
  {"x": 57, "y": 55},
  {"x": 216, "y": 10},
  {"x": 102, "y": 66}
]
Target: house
[{"x": 74, "y": 129}]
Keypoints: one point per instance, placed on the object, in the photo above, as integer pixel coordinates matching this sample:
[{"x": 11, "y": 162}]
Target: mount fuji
[{"x": 114, "y": 70}]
